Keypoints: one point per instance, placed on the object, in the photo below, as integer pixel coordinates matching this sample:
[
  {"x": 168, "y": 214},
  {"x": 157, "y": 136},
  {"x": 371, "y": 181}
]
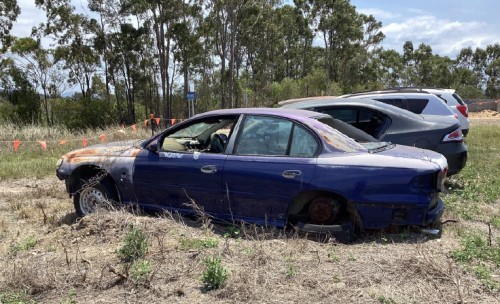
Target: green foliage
[
  {"x": 135, "y": 247},
  {"x": 139, "y": 270},
  {"x": 70, "y": 298},
  {"x": 25, "y": 245},
  {"x": 475, "y": 248},
  {"x": 83, "y": 113},
  {"x": 197, "y": 244},
  {"x": 482, "y": 258},
  {"x": 478, "y": 182},
  {"x": 215, "y": 275},
  {"x": 14, "y": 297},
  {"x": 385, "y": 300}
]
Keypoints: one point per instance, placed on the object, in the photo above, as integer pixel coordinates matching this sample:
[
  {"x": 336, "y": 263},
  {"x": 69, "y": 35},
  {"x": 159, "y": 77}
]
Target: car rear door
[{"x": 273, "y": 160}]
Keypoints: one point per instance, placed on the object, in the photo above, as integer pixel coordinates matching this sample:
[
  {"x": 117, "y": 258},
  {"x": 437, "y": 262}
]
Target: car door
[
  {"x": 273, "y": 160},
  {"x": 179, "y": 169}
]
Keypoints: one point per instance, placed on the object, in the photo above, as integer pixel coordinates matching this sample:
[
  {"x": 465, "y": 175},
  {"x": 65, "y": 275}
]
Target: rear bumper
[{"x": 456, "y": 156}]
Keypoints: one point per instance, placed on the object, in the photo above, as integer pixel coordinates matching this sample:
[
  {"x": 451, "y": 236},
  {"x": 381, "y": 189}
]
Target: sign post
[{"x": 191, "y": 96}]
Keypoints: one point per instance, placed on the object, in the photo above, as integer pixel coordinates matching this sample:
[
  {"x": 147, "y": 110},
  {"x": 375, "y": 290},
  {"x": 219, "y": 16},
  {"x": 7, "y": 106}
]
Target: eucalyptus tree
[
  {"x": 390, "y": 67},
  {"x": 297, "y": 39},
  {"x": 74, "y": 35},
  {"x": 9, "y": 10},
  {"x": 38, "y": 67},
  {"x": 161, "y": 16}
]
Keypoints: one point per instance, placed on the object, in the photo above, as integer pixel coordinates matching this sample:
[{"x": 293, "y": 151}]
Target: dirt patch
[
  {"x": 76, "y": 260},
  {"x": 486, "y": 114}
]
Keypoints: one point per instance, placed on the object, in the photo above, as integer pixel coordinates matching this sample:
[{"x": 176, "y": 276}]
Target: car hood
[{"x": 128, "y": 148}]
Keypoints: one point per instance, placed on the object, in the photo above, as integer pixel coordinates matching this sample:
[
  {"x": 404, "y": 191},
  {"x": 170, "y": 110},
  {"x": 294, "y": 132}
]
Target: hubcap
[{"x": 91, "y": 199}]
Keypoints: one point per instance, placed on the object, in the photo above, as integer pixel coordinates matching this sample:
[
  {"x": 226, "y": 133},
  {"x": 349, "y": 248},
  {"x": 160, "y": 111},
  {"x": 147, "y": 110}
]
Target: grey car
[{"x": 385, "y": 122}]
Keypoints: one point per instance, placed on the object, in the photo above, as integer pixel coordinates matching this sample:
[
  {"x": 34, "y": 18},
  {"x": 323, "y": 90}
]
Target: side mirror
[{"x": 153, "y": 147}]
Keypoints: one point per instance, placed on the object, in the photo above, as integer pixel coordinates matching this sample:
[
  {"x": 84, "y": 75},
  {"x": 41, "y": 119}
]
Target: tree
[
  {"x": 9, "y": 10},
  {"x": 39, "y": 68},
  {"x": 73, "y": 33}
]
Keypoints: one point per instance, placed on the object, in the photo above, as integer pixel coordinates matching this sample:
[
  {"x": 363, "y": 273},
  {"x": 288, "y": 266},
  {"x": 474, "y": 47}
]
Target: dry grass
[
  {"x": 77, "y": 259},
  {"x": 49, "y": 256}
]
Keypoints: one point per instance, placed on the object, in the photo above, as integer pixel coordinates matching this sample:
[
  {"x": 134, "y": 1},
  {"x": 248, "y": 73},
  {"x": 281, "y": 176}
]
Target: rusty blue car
[{"x": 263, "y": 166}]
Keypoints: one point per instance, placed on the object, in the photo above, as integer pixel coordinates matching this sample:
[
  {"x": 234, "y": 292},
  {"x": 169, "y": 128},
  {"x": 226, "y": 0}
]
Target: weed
[
  {"x": 197, "y": 244},
  {"x": 478, "y": 256},
  {"x": 351, "y": 257},
  {"x": 15, "y": 297},
  {"x": 384, "y": 300},
  {"x": 27, "y": 244},
  {"x": 232, "y": 232},
  {"x": 495, "y": 222},
  {"x": 135, "y": 246},
  {"x": 70, "y": 297},
  {"x": 336, "y": 279},
  {"x": 139, "y": 270},
  {"x": 332, "y": 257},
  {"x": 215, "y": 275},
  {"x": 290, "y": 268}
]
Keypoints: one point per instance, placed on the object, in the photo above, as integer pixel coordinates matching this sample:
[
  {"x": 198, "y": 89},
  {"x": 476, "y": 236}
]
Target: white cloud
[
  {"x": 378, "y": 13},
  {"x": 444, "y": 36}
]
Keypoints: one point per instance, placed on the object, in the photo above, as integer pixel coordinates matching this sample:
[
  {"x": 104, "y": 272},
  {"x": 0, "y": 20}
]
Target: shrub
[
  {"x": 135, "y": 246},
  {"x": 215, "y": 275}
]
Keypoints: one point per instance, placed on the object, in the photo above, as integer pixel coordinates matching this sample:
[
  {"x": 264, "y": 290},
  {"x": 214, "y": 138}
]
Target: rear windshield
[{"x": 337, "y": 140}]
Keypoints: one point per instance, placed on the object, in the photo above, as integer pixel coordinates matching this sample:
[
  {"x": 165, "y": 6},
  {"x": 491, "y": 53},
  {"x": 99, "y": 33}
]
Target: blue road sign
[{"x": 191, "y": 95}]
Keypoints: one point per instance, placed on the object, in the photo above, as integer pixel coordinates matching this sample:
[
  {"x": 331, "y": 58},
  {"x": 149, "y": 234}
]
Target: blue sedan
[{"x": 264, "y": 166}]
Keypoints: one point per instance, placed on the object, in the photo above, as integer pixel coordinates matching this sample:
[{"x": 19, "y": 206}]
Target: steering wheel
[{"x": 217, "y": 143}]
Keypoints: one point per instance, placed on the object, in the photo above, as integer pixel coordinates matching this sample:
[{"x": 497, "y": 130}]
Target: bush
[
  {"x": 215, "y": 275},
  {"x": 135, "y": 246}
]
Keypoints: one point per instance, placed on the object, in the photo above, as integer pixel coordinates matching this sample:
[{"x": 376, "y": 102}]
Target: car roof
[
  {"x": 312, "y": 102},
  {"x": 290, "y": 113}
]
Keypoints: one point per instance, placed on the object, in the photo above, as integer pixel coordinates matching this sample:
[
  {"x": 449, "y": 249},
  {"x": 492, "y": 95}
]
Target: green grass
[
  {"x": 479, "y": 182},
  {"x": 474, "y": 195},
  {"x": 25, "y": 245},
  {"x": 186, "y": 244},
  {"x": 31, "y": 160},
  {"x": 12, "y": 297}
]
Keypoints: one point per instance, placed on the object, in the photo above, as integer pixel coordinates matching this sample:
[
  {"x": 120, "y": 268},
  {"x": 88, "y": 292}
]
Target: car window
[
  {"x": 304, "y": 144},
  {"x": 362, "y": 119},
  {"x": 458, "y": 98},
  {"x": 262, "y": 135},
  {"x": 397, "y": 102},
  {"x": 417, "y": 105},
  {"x": 205, "y": 135},
  {"x": 346, "y": 115},
  {"x": 194, "y": 130}
]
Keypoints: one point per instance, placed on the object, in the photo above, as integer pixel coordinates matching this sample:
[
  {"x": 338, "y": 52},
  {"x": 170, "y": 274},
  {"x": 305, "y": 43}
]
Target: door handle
[
  {"x": 209, "y": 169},
  {"x": 291, "y": 173}
]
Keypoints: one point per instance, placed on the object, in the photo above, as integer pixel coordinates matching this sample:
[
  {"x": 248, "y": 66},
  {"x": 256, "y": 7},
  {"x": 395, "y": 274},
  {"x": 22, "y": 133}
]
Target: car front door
[
  {"x": 272, "y": 162},
  {"x": 183, "y": 168}
]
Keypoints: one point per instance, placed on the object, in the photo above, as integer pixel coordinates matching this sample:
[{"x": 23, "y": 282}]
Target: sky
[{"x": 446, "y": 25}]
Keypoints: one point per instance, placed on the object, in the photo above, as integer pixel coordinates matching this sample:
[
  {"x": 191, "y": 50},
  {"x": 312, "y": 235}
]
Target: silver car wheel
[{"x": 91, "y": 199}]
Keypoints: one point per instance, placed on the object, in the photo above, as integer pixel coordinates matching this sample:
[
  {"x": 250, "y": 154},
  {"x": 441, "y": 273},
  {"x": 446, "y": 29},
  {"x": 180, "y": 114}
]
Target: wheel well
[
  {"x": 86, "y": 172},
  {"x": 303, "y": 199}
]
